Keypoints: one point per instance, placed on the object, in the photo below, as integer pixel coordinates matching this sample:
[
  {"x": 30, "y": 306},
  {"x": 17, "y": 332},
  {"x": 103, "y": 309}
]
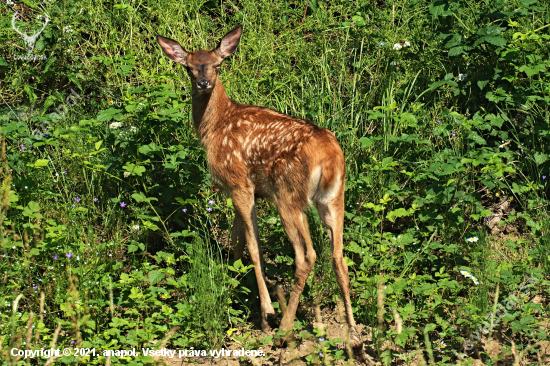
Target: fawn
[{"x": 256, "y": 152}]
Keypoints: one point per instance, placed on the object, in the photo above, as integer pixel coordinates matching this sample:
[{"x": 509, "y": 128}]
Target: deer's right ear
[{"x": 173, "y": 50}]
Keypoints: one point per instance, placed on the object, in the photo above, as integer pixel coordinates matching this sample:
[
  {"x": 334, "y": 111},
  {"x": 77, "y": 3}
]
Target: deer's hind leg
[
  {"x": 238, "y": 237},
  {"x": 331, "y": 210},
  {"x": 295, "y": 225}
]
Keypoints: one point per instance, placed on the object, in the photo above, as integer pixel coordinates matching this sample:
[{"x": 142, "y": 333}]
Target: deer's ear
[
  {"x": 173, "y": 50},
  {"x": 229, "y": 42}
]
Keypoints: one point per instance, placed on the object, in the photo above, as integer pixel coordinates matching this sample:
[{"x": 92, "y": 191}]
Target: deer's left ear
[{"x": 229, "y": 42}]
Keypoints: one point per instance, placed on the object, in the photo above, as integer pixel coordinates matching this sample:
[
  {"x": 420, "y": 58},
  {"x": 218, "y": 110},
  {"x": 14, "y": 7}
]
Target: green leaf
[
  {"x": 49, "y": 63},
  {"x": 482, "y": 83},
  {"x": 121, "y": 6},
  {"x": 438, "y": 7},
  {"x": 437, "y": 84},
  {"x": 497, "y": 41},
  {"x": 408, "y": 117},
  {"x": 134, "y": 169},
  {"x": 477, "y": 138},
  {"x": 430, "y": 327},
  {"x": 400, "y": 212},
  {"x": 353, "y": 247},
  {"x": 139, "y": 197},
  {"x": 527, "y": 2},
  {"x": 34, "y": 206},
  {"x": 132, "y": 248},
  {"x": 107, "y": 115},
  {"x": 454, "y": 41},
  {"x": 41, "y": 162},
  {"x": 155, "y": 277},
  {"x": 98, "y": 144},
  {"x": 72, "y": 77},
  {"x": 30, "y": 93},
  {"x": 485, "y": 213},
  {"x": 48, "y": 103},
  {"x": 540, "y": 158},
  {"x": 172, "y": 282},
  {"x": 146, "y": 149},
  {"x": 366, "y": 142},
  {"x": 455, "y": 51},
  {"x": 125, "y": 69},
  {"x": 530, "y": 71}
]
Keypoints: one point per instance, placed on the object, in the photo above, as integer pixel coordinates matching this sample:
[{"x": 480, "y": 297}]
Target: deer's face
[{"x": 202, "y": 66}]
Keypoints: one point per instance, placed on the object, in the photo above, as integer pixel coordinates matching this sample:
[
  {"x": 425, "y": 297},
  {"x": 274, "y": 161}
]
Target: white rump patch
[
  {"x": 326, "y": 197},
  {"x": 314, "y": 182}
]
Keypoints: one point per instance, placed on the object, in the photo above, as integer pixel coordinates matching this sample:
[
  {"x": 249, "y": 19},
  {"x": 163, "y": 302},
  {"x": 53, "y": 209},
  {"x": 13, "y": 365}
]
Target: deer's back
[{"x": 270, "y": 151}]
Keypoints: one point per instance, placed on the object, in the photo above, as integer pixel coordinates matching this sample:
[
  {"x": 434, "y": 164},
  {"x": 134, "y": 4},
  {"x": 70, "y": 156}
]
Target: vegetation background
[{"x": 111, "y": 234}]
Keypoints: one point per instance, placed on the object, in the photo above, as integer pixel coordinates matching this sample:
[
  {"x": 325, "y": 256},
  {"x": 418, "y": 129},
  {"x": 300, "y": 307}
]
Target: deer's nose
[{"x": 203, "y": 84}]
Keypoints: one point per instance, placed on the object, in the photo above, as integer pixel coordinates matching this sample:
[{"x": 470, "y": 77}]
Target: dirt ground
[
  {"x": 277, "y": 356},
  {"x": 334, "y": 330},
  {"x": 283, "y": 356}
]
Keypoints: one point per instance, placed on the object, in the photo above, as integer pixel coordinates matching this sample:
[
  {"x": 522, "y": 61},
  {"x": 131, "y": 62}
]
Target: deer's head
[{"x": 202, "y": 66}]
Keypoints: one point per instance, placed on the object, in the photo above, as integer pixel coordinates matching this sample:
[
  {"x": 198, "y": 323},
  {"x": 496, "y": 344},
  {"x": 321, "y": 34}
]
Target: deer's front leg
[{"x": 245, "y": 215}]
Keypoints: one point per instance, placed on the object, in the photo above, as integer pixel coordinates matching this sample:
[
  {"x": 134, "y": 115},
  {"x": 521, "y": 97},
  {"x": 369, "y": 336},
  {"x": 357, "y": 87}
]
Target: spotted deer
[{"x": 256, "y": 152}]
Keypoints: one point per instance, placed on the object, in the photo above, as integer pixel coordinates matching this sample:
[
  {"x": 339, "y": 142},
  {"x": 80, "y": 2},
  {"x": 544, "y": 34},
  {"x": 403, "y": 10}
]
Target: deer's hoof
[
  {"x": 357, "y": 346},
  {"x": 268, "y": 323},
  {"x": 285, "y": 340},
  {"x": 279, "y": 342},
  {"x": 265, "y": 326}
]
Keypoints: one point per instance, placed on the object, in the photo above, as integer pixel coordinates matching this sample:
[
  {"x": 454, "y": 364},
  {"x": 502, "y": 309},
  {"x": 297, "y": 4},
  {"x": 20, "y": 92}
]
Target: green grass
[{"x": 435, "y": 135}]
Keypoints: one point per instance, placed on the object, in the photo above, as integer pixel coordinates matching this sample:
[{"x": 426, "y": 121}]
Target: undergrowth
[{"x": 113, "y": 237}]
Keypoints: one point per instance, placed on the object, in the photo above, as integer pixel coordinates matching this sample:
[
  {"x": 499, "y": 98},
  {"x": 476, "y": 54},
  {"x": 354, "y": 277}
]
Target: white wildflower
[{"x": 465, "y": 274}]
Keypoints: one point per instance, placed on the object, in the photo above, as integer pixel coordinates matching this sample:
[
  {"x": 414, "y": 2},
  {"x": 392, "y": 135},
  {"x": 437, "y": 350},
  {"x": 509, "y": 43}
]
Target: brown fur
[{"x": 257, "y": 152}]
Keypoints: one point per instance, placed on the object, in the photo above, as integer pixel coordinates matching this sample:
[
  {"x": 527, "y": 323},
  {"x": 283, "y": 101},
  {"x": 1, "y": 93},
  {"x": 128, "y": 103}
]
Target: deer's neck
[{"x": 209, "y": 110}]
